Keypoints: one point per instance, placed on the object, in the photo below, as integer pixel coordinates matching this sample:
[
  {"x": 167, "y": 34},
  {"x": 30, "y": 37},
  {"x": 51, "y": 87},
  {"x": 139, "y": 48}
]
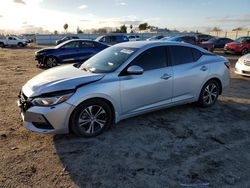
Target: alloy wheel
[
  {"x": 244, "y": 51},
  {"x": 210, "y": 94},
  {"x": 92, "y": 119},
  {"x": 51, "y": 62}
]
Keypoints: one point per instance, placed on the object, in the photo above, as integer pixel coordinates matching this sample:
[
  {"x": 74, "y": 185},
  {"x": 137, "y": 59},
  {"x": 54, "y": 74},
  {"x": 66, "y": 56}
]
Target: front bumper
[
  {"x": 242, "y": 69},
  {"x": 231, "y": 51},
  {"x": 40, "y": 58},
  {"x": 53, "y": 119}
]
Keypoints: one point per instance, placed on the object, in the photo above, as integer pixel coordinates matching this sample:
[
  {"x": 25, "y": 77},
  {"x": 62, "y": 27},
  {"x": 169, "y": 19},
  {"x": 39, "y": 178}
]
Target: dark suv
[
  {"x": 192, "y": 40},
  {"x": 112, "y": 39}
]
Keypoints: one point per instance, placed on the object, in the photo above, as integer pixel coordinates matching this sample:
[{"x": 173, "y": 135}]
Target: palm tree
[{"x": 65, "y": 27}]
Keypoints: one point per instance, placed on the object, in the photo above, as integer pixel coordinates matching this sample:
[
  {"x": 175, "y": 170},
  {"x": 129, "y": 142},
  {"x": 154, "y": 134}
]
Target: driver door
[
  {"x": 70, "y": 52},
  {"x": 151, "y": 89}
]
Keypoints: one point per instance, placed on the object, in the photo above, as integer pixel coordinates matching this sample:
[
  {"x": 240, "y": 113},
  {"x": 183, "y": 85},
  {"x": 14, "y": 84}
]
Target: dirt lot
[{"x": 167, "y": 148}]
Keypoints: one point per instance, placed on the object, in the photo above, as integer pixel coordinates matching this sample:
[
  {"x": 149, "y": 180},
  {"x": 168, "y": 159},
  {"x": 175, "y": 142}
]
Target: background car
[
  {"x": 218, "y": 42},
  {"x": 133, "y": 37},
  {"x": 66, "y": 39},
  {"x": 112, "y": 39},
  {"x": 153, "y": 38},
  {"x": 77, "y": 50},
  {"x": 242, "y": 66},
  {"x": 12, "y": 41},
  {"x": 203, "y": 37},
  {"x": 192, "y": 40},
  {"x": 240, "y": 46},
  {"x": 122, "y": 81}
]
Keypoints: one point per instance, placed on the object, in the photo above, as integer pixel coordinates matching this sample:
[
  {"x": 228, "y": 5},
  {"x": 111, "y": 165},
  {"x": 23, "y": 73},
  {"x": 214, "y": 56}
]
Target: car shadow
[{"x": 153, "y": 150}]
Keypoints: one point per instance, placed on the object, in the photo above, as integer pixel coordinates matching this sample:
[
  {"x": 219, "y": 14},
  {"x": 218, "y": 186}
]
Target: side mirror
[{"x": 134, "y": 69}]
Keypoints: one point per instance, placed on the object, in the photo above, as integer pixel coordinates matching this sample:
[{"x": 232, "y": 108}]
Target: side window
[
  {"x": 71, "y": 45},
  {"x": 181, "y": 55},
  {"x": 87, "y": 44},
  {"x": 153, "y": 58},
  {"x": 196, "y": 54}
]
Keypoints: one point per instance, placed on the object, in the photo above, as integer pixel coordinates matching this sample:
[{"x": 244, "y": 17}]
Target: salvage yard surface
[{"x": 184, "y": 145}]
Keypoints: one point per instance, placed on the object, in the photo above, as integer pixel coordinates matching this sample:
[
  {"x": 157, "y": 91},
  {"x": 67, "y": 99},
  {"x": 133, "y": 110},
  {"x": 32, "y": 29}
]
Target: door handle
[
  {"x": 165, "y": 76},
  {"x": 203, "y": 68}
]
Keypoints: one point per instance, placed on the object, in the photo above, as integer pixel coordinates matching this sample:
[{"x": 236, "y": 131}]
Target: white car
[
  {"x": 242, "y": 66},
  {"x": 133, "y": 37},
  {"x": 12, "y": 41}
]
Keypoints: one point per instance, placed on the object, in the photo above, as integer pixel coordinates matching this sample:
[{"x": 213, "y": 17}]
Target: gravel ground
[{"x": 176, "y": 147}]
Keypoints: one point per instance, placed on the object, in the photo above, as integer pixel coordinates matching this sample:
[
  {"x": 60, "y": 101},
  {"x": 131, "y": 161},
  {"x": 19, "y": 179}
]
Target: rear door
[
  {"x": 189, "y": 72},
  {"x": 151, "y": 89},
  {"x": 87, "y": 50},
  {"x": 11, "y": 41}
]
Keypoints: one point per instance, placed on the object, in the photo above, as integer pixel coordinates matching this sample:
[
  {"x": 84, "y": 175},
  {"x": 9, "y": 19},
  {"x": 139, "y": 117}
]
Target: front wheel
[
  {"x": 2, "y": 45},
  {"x": 51, "y": 62},
  {"x": 20, "y": 44},
  {"x": 244, "y": 51},
  {"x": 91, "y": 118},
  {"x": 209, "y": 93}
]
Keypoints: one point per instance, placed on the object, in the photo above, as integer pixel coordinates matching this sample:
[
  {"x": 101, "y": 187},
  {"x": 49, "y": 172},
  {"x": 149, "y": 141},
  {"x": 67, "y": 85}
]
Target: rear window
[{"x": 182, "y": 55}]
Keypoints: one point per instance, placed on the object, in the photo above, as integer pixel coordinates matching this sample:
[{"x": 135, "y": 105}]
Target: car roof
[
  {"x": 145, "y": 44},
  {"x": 87, "y": 40}
]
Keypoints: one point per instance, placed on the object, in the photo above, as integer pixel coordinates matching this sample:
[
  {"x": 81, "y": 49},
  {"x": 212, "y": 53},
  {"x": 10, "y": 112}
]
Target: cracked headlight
[{"x": 50, "y": 101}]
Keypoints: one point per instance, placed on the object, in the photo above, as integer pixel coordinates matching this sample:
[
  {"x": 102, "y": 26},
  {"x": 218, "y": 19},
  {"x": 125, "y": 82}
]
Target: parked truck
[{"x": 12, "y": 41}]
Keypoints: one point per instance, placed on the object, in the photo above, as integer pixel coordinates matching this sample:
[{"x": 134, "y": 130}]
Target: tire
[
  {"x": 244, "y": 51},
  {"x": 2, "y": 45},
  {"x": 20, "y": 44},
  {"x": 91, "y": 118},
  {"x": 51, "y": 62},
  {"x": 209, "y": 93}
]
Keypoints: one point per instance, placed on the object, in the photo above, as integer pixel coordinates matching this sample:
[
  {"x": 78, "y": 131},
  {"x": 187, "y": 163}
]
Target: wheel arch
[
  {"x": 106, "y": 100},
  {"x": 217, "y": 80},
  {"x": 51, "y": 55}
]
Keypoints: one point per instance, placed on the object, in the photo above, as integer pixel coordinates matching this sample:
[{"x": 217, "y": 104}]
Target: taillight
[{"x": 228, "y": 64}]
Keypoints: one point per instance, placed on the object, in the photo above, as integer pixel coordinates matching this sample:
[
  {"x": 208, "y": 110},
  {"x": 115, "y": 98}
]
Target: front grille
[
  {"x": 247, "y": 63},
  {"x": 24, "y": 101},
  {"x": 42, "y": 125}
]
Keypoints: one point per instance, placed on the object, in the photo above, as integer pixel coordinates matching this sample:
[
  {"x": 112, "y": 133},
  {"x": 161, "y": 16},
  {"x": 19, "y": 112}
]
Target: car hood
[
  {"x": 232, "y": 43},
  {"x": 59, "y": 79},
  {"x": 45, "y": 50},
  {"x": 246, "y": 57}
]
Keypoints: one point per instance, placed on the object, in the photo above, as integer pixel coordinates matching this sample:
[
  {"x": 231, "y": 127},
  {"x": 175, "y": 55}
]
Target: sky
[{"x": 49, "y": 15}]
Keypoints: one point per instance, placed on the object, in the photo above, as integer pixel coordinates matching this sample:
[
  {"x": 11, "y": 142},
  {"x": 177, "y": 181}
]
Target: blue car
[{"x": 78, "y": 50}]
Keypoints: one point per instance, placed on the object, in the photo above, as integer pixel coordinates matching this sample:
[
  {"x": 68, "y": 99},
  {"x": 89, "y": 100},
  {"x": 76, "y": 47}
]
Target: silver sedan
[{"x": 122, "y": 81}]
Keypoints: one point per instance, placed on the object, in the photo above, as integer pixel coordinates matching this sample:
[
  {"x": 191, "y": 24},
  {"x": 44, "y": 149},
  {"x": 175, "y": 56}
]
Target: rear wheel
[
  {"x": 91, "y": 118},
  {"x": 209, "y": 93},
  {"x": 20, "y": 44},
  {"x": 244, "y": 51},
  {"x": 2, "y": 45},
  {"x": 51, "y": 62}
]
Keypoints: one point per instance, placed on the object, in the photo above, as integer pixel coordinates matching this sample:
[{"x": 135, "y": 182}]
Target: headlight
[
  {"x": 50, "y": 101},
  {"x": 240, "y": 60}
]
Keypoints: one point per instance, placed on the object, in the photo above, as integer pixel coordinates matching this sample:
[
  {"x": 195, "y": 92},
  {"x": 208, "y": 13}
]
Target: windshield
[
  {"x": 165, "y": 38},
  {"x": 174, "y": 39},
  {"x": 108, "y": 60},
  {"x": 98, "y": 38},
  {"x": 62, "y": 44}
]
